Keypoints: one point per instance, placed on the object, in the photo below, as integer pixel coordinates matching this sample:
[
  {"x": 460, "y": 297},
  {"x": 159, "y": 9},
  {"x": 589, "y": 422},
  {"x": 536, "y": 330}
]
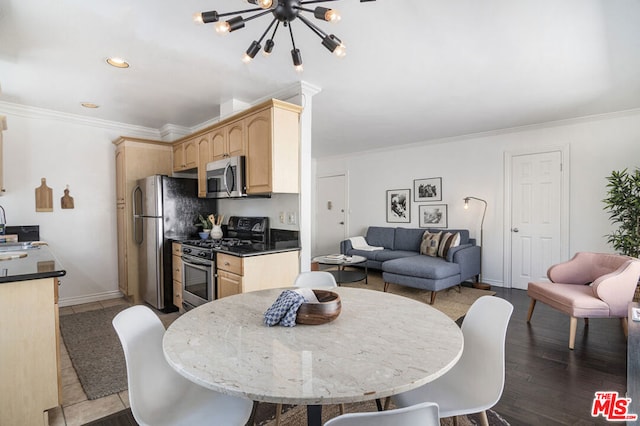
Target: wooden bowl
[{"x": 320, "y": 313}]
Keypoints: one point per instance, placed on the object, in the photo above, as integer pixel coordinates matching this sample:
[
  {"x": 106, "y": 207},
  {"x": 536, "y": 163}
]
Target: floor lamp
[{"x": 479, "y": 284}]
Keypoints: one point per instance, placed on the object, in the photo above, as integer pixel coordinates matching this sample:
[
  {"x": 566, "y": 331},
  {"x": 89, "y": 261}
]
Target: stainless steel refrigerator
[{"x": 165, "y": 209}]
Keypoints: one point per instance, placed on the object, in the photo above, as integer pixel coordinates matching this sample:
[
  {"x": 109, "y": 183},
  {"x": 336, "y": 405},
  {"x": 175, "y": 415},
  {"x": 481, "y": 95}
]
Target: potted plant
[
  {"x": 205, "y": 223},
  {"x": 623, "y": 205}
]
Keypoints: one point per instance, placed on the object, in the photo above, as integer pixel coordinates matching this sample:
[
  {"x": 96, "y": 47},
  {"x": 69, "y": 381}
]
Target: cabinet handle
[{"x": 226, "y": 264}]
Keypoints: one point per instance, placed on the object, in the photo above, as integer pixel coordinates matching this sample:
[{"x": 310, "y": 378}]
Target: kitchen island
[{"x": 30, "y": 380}]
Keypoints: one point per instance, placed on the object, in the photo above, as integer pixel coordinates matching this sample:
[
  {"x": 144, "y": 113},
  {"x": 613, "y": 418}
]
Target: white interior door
[
  {"x": 330, "y": 214},
  {"x": 536, "y": 216}
]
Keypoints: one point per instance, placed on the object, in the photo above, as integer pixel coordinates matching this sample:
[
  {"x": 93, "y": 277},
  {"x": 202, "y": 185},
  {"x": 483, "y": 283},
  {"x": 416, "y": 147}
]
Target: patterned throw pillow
[
  {"x": 447, "y": 241},
  {"x": 430, "y": 242}
]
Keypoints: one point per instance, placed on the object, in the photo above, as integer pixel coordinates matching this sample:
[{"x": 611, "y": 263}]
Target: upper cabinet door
[
  {"x": 235, "y": 138},
  {"x": 219, "y": 144},
  {"x": 259, "y": 161}
]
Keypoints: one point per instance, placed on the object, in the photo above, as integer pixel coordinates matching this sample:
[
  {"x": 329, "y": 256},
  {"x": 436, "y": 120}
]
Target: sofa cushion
[
  {"x": 430, "y": 243},
  {"x": 384, "y": 255},
  {"x": 380, "y": 236},
  {"x": 422, "y": 266},
  {"x": 447, "y": 241},
  {"x": 408, "y": 239}
]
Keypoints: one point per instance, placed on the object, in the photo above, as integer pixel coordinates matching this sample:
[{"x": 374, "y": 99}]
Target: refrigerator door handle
[
  {"x": 224, "y": 178},
  {"x": 137, "y": 236}
]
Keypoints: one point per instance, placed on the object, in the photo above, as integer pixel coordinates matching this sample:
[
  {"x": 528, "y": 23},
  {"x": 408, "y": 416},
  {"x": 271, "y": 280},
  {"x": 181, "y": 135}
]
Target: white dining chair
[
  {"x": 424, "y": 414},
  {"x": 158, "y": 395},
  {"x": 315, "y": 279},
  {"x": 475, "y": 383}
]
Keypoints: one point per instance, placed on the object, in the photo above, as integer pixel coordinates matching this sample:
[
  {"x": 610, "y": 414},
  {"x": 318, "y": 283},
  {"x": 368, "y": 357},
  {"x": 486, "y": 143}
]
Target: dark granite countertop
[
  {"x": 255, "y": 250},
  {"x": 39, "y": 262}
]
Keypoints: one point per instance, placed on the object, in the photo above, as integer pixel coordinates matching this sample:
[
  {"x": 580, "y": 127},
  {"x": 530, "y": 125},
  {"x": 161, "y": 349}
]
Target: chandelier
[{"x": 283, "y": 12}]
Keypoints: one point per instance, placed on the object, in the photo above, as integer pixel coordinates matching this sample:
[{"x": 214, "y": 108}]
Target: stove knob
[
  {"x": 202, "y": 254},
  {"x": 186, "y": 250}
]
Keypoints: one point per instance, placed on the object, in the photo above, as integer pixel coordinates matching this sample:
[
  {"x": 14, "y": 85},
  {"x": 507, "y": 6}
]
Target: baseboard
[{"x": 79, "y": 300}]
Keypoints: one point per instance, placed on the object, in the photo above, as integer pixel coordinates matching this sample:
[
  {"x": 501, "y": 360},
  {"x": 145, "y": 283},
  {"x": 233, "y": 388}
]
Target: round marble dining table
[{"x": 381, "y": 344}]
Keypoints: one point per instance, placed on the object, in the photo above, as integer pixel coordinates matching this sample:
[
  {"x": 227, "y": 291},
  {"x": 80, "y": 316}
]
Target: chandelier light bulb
[
  {"x": 332, "y": 16},
  {"x": 251, "y": 52},
  {"x": 297, "y": 59},
  {"x": 197, "y": 18},
  {"x": 223, "y": 27},
  {"x": 341, "y": 51},
  {"x": 265, "y": 4}
]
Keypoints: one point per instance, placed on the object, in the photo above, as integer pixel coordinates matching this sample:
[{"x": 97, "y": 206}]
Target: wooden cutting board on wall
[{"x": 44, "y": 197}]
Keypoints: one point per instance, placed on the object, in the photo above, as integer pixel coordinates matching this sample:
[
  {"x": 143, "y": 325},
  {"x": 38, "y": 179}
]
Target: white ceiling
[{"x": 415, "y": 70}]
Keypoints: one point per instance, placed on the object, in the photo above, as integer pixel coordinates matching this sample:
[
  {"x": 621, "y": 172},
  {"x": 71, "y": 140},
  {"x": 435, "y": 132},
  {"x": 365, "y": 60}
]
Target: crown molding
[
  {"x": 172, "y": 132},
  {"x": 40, "y": 113}
]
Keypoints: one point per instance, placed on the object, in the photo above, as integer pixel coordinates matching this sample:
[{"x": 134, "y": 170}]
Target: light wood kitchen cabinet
[
  {"x": 3, "y": 126},
  {"x": 244, "y": 274},
  {"x": 176, "y": 250},
  {"x": 135, "y": 159},
  {"x": 185, "y": 155},
  {"x": 228, "y": 141},
  {"x": 30, "y": 381},
  {"x": 272, "y": 149}
]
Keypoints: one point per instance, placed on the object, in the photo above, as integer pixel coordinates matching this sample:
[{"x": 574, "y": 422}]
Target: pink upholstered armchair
[{"x": 590, "y": 285}]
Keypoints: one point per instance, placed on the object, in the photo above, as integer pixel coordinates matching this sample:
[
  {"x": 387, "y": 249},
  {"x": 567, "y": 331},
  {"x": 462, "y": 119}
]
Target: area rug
[
  {"x": 95, "y": 351},
  {"x": 454, "y": 301}
]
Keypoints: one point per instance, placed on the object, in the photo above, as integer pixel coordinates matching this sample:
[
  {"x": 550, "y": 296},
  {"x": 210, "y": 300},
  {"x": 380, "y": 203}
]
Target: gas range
[{"x": 245, "y": 235}]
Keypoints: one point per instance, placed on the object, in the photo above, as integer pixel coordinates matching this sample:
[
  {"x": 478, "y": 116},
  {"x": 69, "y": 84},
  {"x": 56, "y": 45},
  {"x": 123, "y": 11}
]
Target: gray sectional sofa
[{"x": 401, "y": 262}]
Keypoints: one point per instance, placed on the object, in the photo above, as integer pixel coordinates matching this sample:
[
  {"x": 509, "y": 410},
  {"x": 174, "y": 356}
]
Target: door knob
[
  {"x": 515, "y": 230},
  {"x": 341, "y": 223}
]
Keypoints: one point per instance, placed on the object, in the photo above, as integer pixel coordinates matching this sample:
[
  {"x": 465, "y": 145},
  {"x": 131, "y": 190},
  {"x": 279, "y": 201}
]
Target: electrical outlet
[
  {"x": 291, "y": 218},
  {"x": 281, "y": 217}
]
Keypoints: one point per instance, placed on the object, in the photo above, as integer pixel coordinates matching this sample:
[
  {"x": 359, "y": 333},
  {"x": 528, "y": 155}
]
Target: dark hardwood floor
[{"x": 548, "y": 384}]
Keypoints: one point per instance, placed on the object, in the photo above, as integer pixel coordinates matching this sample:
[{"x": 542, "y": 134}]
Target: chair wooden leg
[
  {"x": 341, "y": 408},
  {"x": 433, "y": 297},
  {"x": 387, "y": 401},
  {"x": 531, "y": 306},
  {"x": 386, "y": 286},
  {"x": 455, "y": 420},
  {"x": 625, "y": 326},
  {"x": 484, "y": 421},
  {"x": 572, "y": 332},
  {"x": 278, "y": 414},
  {"x": 460, "y": 288}
]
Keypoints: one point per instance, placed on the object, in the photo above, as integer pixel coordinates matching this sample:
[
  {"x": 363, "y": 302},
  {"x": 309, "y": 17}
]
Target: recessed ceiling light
[
  {"x": 90, "y": 105},
  {"x": 118, "y": 62}
]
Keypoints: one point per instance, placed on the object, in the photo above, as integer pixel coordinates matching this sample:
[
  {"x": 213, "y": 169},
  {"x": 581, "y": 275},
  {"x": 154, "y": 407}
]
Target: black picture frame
[
  {"x": 432, "y": 216},
  {"x": 399, "y": 206},
  {"x": 428, "y": 189}
]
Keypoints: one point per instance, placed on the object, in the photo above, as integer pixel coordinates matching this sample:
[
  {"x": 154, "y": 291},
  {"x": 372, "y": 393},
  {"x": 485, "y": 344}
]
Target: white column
[{"x": 304, "y": 99}]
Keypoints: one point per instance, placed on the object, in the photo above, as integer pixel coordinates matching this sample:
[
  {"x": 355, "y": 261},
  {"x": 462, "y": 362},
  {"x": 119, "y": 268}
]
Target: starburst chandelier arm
[
  {"x": 313, "y": 27},
  {"x": 296, "y": 56},
  {"x": 214, "y": 16},
  {"x": 330, "y": 41},
  {"x": 257, "y": 15},
  {"x": 268, "y": 46},
  {"x": 267, "y": 30}
]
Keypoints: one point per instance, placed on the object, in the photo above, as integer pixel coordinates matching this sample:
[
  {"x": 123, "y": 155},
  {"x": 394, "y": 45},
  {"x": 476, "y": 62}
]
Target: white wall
[
  {"x": 79, "y": 153},
  {"x": 473, "y": 166}
]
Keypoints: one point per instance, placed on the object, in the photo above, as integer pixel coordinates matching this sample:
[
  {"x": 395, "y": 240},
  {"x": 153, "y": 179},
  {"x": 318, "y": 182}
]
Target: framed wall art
[
  {"x": 399, "y": 205},
  {"x": 432, "y": 216},
  {"x": 427, "y": 189}
]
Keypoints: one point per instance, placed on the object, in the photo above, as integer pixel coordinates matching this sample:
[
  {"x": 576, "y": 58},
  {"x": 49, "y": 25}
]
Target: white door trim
[{"x": 564, "y": 204}]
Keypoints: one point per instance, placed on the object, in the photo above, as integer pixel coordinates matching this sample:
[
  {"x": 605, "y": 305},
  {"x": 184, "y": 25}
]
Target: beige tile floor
[{"x": 76, "y": 409}]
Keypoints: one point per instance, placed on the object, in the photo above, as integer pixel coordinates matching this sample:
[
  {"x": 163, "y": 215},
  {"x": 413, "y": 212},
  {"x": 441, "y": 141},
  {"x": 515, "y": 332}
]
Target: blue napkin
[{"x": 285, "y": 309}]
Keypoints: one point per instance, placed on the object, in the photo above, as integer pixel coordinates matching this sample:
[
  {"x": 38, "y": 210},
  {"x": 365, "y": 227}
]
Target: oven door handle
[{"x": 196, "y": 261}]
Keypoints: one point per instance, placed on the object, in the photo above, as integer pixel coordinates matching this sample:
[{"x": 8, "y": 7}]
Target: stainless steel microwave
[{"x": 226, "y": 178}]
